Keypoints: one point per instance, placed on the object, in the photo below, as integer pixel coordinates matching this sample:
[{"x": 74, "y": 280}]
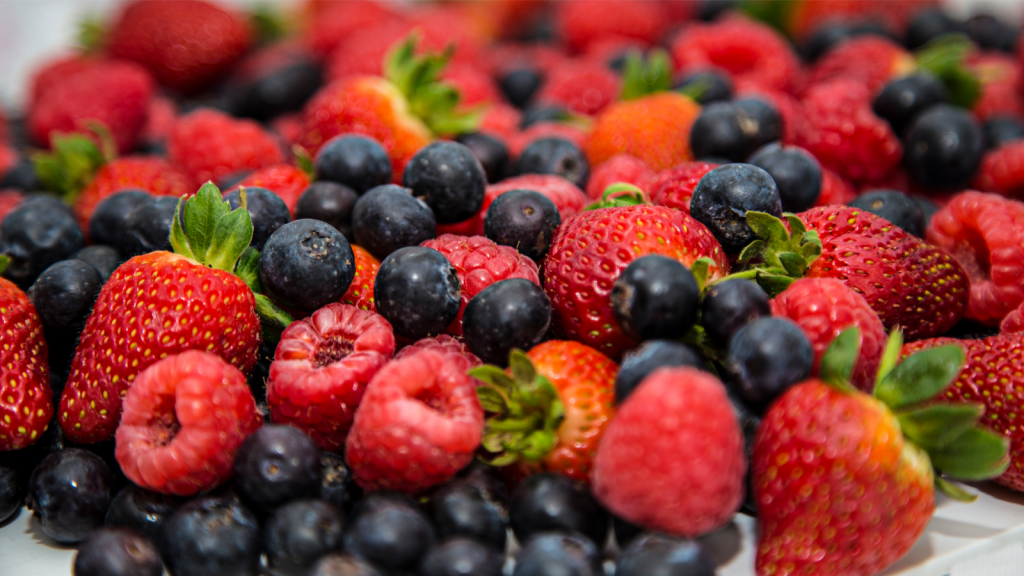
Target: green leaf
[
  {"x": 617, "y": 195},
  {"x": 812, "y": 249},
  {"x": 70, "y": 166},
  {"x": 699, "y": 269},
  {"x": 304, "y": 161},
  {"x": 891, "y": 355},
  {"x": 797, "y": 229},
  {"x": 977, "y": 454},
  {"x": 90, "y": 33},
  {"x": 4, "y": 261},
  {"x": 492, "y": 375},
  {"x": 178, "y": 240},
  {"x": 937, "y": 425},
  {"x": 273, "y": 320},
  {"x": 920, "y": 376},
  {"x": 945, "y": 58},
  {"x": 248, "y": 269},
  {"x": 230, "y": 239},
  {"x": 751, "y": 251},
  {"x": 767, "y": 227},
  {"x": 642, "y": 77},
  {"x": 505, "y": 459},
  {"x": 491, "y": 400},
  {"x": 953, "y": 490},
  {"x": 522, "y": 367},
  {"x": 268, "y": 22},
  {"x": 774, "y": 283},
  {"x": 794, "y": 263},
  {"x": 840, "y": 357},
  {"x": 202, "y": 212},
  {"x": 538, "y": 444}
]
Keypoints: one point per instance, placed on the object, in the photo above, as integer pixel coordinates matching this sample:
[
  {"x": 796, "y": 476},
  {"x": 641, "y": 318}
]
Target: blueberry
[
  {"x": 232, "y": 180},
  {"x": 277, "y": 89},
  {"x": 491, "y": 152},
  {"x": 927, "y": 26},
  {"x": 556, "y": 156},
  {"x": 764, "y": 117},
  {"x": 462, "y": 557},
  {"x": 10, "y": 491},
  {"x": 658, "y": 555},
  {"x": 21, "y": 176},
  {"x": 766, "y": 357},
  {"x": 706, "y": 86},
  {"x": 625, "y": 531},
  {"x": 391, "y": 533},
  {"x": 795, "y": 171},
  {"x": 388, "y": 218},
  {"x": 991, "y": 33},
  {"x": 489, "y": 481},
  {"x": 1002, "y": 129},
  {"x": 731, "y": 305},
  {"x": 461, "y": 509},
  {"x": 277, "y": 464},
  {"x": 449, "y": 179},
  {"x": 831, "y": 34},
  {"x": 417, "y": 291},
  {"x": 750, "y": 422},
  {"x": 943, "y": 147},
  {"x": 69, "y": 491},
  {"x": 904, "y": 98},
  {"x": 141, "y": 510},
  {"x": 650, "y": 356},
  {"x": 211, "y": 536},
  {"x": 928, "y": 207},
  {"x": 557, "y": 554},
  {"x": 300, "y": 533},
  {"x": 117, "y": 552},
  {"x": 328, "y": 202},
  {"x": 307, "y": 264},
  {"x": 525, "y": 220},
  {"x": 105, "y": 259},
  {"x": 896, "y": 207},
  {"x": 109, "y": 220},
  {"x": 64, "y": 294},
  {"x": 359, "y": 162},
  {"x": 520, "y": 85},
  {"x": 543, "y": 113},
  {"x": 148, "y": 227},
  {"x": 724, "y": 195},
  {"x": 509, "y": 314},
  {"x": 336, "y": 483},
  {"x": 723, "y": 130},
  {"x": 342, "y": 565},
  {"x": 267, "y": 211},
  {"x": 655, "y": 297},
  {"x": 38, "y": 232},
  {"x": 710, "y": 10},
  {"x": 549, "y": 502}
]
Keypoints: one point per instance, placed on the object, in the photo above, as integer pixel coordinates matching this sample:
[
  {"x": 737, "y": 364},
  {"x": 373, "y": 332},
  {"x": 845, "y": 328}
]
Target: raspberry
[
  {"x": 1000, "y": 78},
  {"x": 672, "y": 458},
  {"x": 619, "y": 168},
  {"x": 985, "y": 233},
  {"x": 583, "y": 22},
  {"x": 444, "y": 344},
  {"x": 474, "y": 85},
  {"x": 360, "y": 291},
  {"x": 321, "y": 368},
  {"x": 55, "y": 71},
  {"x": 834, "y": 189},
  {"x": 8, "y": 200},
  {"x": 210, "y": 145},
  {"x": 182, "y": 421},
  {"x": 566, "y": 196},
  {"x": 479, "y": 262},
  {"x": 1002, "y": 170},
  {"x": 869, "y": 60},
  {"x": 148, "y": 173},
  {"x": 674, "y": 186},
  {"x": 501, "y": 121},
  {"x": 337, "y": 21},
  {"x": 823, "y": 308},
  {"x": 420, "y": 422},
  {"x": 1014, "y": 321},
  {"x": 583, "y": 86},
  {"x": 285, "y": 180}
]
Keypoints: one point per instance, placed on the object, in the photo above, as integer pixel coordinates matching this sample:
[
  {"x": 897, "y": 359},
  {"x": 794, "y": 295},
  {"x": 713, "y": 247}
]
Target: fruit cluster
[{"x": 360, "y": 289}]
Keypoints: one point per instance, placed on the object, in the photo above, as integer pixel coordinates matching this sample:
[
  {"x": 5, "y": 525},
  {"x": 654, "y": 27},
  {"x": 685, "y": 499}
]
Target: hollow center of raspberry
[
  {"x": 332, "y": 349},
  {"x": 166, "y": 426},
  {"x": 973, "y": 255}
]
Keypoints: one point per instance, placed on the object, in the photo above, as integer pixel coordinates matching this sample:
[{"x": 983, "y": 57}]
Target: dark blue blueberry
[
  {"x": 491, "y": 152},
  {"x": 991, "y": 33},
  {"x": 928, "y": 207},
  {"x": 723, "y": 130},
  {"x": 38, "y": 232},
  {"x": 706, "y": 86},
  {"x": 658, "y": 555},
  {"x": 64, "y": 294},
  {"x": 390, "y": 532},
  {"x": 342, "y": 565},
  {"x": 556, "y": 156},
  {"x": 21, "y": 176},
  {"x": 558, "y": 554},
  {"x": 724, "y": 195},
  {"x": 943, "y": 147},
  {"x": 927, "y": 26},
  {"x": 461, "y": 509},
  {"x": 509, "y": 314},
  {"x": 69, "y": 491},
  {"x": 520, "y": 85},
  {"x": 731, "y": 305},
  {"x": 655, "y": 297},
  {"x": 831, "y": 34},
  {"x": 388, "y": 218},
  {"x": 141, "y": 510},
  {"x": 118, "y": 552},
  {"x": 750, "y": 422},
  {"x": 894, "y": 206},
  {"x": 306, "y": 265},
  {"x": 625, "y": 531},
  {"x": 552, "y": 502},
  {"x": 336, "y": 483},
  {"x": 449, "y": 179},
  {"x": 1002, "y": 129},
  {"x": 328, "y": 202},
  {"x": 417, "y": 291},
  {"x": 105, "y": 259},
  {"x": 109, "y": 220},
  {"x": 300, "y": 533},
  {"x": 10, "y": 491},
  {"x": 766, "y": 357},
  {"x": 229, "y": 181},
  {"x": 359, "y": 162},
  {"x": 489, "y": 481},
  {"x": 525, "y": 220},
  {"x": 764, "y": 118},
  {"x": 277, "y": 464},
  {"x": 650, "y": 356},
  {"x": 795, "y": 171},
  {"x": 148, "y": 227},
  {"x": 282, "y": 87},
  {"x": 462, "y": 557},
  {"x": 710, "y": 10},
  {"x": 211, "y": 536},
  {"x": 906, "y": 97},
  {"x": 544, "y": 113},
  {"x": 267, "y": 211}
]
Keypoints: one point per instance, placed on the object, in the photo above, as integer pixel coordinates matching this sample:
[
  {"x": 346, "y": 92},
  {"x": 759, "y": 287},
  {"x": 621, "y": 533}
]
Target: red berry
[
  {"x": 285, "y": 180},
  {"x": 1002, "y": 170},
  {"x": 337, "y": 21},
  {"x": 151, "y": 174},
  {"x": 1000, "y": 78},
  {"x": 8, "y": 200},
  {"x": 26, "y": 402},
  {"x": 583, "y": 22},
  {"x": 870, "y": 60},
  {"x": 360, "y": 291},
  {"x": 674, "y": 187},
  {"x": 210, "y": 145},
  {"x": 443, "y": 344},
  {"x": 1014, "y": 321},
  {"x": 834, "y": 189},
  {"x": 619, "y": 168},
  {"x": 582, "y": 86}
]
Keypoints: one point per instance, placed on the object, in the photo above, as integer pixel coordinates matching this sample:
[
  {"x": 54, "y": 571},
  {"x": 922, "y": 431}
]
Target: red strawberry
[
  {"x": 55, "y": 71},
  {"x": 183, "y": 420},
  {"x": 1002, "y": 170},
  {"x": 591, "y": 250},
  {"x": 985, "y": 233},
  {"x": 674, "y": 187},
  {"x": 869, "y": 60},
  {"x": 360, "y": 291},
  {"x": 152, "y": 174},
  {"x": 211, "y": 146},
  {"x": 321, "y": 368},
  {"x": 418, "y": 424},
  {"x": 337, "y": 21},
  {"x": 285, "y": 180},
  {"x": 1000, "y": 78},
  {"x": 289, "y": 127},
  {"x": 582, "y": 22},
  {"x": 619, "y": 168},
  {"x": 475, "y": 86},
  {"x": 564, "y": 194},
  {"x": 479, "y": 262},
  {"x": 834, "y": 189},
  {"x": 206, "y": 40},
  {"x": 582, "y": 86},
  {"x": 501, "y": 121},
  {"x": 160, "y": 118},
  {"x": 672, "y": 459}
]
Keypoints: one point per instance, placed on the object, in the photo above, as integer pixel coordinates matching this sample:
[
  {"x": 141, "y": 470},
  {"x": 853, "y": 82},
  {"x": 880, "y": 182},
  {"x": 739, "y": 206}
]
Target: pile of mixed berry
[{"x": 515, "y": 287}]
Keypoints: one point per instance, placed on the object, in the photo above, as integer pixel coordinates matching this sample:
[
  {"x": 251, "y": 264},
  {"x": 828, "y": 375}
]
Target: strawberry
[
  {"x": 211, "y": 146},
  {"x": 567, "y": 389},
  {"x": 844, "y": 481},
  {"x": 27, "y": 404},
  {"x": 582, "y": 86},
  {"x": 674, "y": 187},
  {"x": 501, "y": 121},
  {"x": 285, "y": 180},
  {"x": 619, "y": 168},
  {"x": 149, "y": 173},
  {"x": 564, "y": 194},
  {"x": 870, "y": 60},
  {"x": 583, "y": 22},
  {"x": 1002, "y": 170},
  {"x": 589, "y": 252},
  {"x": 55, "y": 71},
  {"x": 1000, "y": 78},
  {"x": 360, "y": 291}
]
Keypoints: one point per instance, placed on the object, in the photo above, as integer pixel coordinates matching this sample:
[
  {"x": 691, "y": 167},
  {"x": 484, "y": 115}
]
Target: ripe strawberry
[
  {"x": 582, "y": 86},
  {"x": 568, "y": 389},
  {"x": 160, "y": 304},
  {"x": 501, "y": 121},
  {"x": 321, "y": 368},
  {"x": 672, "y": 458},
  {"x": 183, "y": 420},
  {"x": 674, "y": 187},
  {"x": 564, "y": 194},
  {"x": 211, "y": 146},
  {"x": 285, "y": 180},
  {"x": 589, "y": 252},
  {"x": 160, "y": 118},
  {"x": 26, "y": 403},
  {"x": 869, "y": 60},
  {"x": 1002, "y": 170},
  {"x": 54, "y": 72},
  {"x": 654, "y": 129},
  {"x": 834, "y": 189},
  {"x": 619, "y": 168},
  {"x": 206, "y": 40},
  {"x": 479, "y": 262},
  {"x": 337, "y": 21},
  {"x": 1000, "y": 78},
  {"x": 360, "y": 291},
  {"x": 583, "y": 22},
  {"x": 149, "y": 173},
  {"x": 985, "y": 233},
  {"x": 419, "y": 423}
]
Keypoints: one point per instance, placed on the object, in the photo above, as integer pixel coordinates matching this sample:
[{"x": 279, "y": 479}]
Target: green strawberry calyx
[
  {"x": 778, "y": 256},
  {"x": 948, "y": 435},
  {"x": 525, "y": 408},
  {"x": 74, "y": 159},
  {"x": 944, "y": 57},
  {"x": 4, "y": 261},
  {"x": 644, "y": 76},
  {"x": 618, "y": 195}
]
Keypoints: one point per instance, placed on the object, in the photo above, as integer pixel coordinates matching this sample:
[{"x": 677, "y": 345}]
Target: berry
[
  {"x": 489, "y": 151},
  {"x": 117, "y": 552},
  {"x": 328, "y": 202},
  {"x": 461, "y": 509},
  {"x": 988, "y": 32},
  {"x": 69, "y": 492},
  {"x": 619, "y": 168},
  {"x": 461, "y": 556},
  {"x": 321, "y": 368},
  {"x": 417, "y": 290},
  {"x": 389, "y": 217},
  {"x": 299, "y": 533},
  {"x": 655, "y": 129},
  {"x": 360, "y": 292},
  {"x": 674, "y": 187},
  {"x": 723, "y": 197},
  {"x": 706, "y": 86},
  {"x": 266, "y": 210},
  {"x": 766, "y": 357},
  {"x": 11, "y": 497},
  {"x": 356, "y": 161},
  {"x": 869, "y": 60},
  {"x": 767, "y": 121},
  {"x": 336, "y": 483},
  {"x": 655, "y": 297},
  {"x": 904, "y": 98},
  {"x": 568, "y": 198},
  {"x": 830, "y": 34},
  {"x": 342, "y": 565},
  {"x": 724, "y": 130},
  {"x": 525, "y": 220},
  {"x": 555, "y": 156},
  {"x": 148, "y": 226},
  {"x": 1001, "y": 172},
  {"x": 795, "y": 172},
  {"x": 582, "y": 86},
  {"x": 650, "y": 356},
  {"x": 555, "y": 553},
  {"x": 508, "y": 314},
  {"x": 273, "y": 81},
  {"x": 27, "y": 406},
  {"x": 1002, "y": 130},
  {"x": 391, "y": 532},
  {"x": 212, "y": 536},
  {"x": 896, "y": 207},
  {"x": 927, "y": 26},
  {"x": 17, "y": 174},
  {"x": 944, "y": 147},
  {"x": 553, "y": 502},
  {"x": 306, "y": 264},
  {"x": 110, "y": 218},
  {"x": 519, "y": 86},
  {"x": 141, "y": 510},
  {"x": 148, "y": 174},
  {"x": 37, "y": 233},
  {"x": 834, "y": 189},
  {"x": 731, "y": 305},
  {"x": 449, "y": 179},
  {"x": 277, "y": 464},
  {"x": 286, "y": 181},
  {"x": 582, "y": 26},
  {"x": 657, "y": 554},
  {"x": 64, "y": 294},
  {"x": 210, "y": 145},
  {"x": 103, "y": 258}
]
